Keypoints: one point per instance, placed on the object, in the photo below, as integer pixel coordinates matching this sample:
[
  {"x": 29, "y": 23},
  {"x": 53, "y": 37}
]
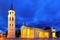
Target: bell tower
[
  {"x": 53, "y": 33},
  {"x": 11, "y": 23}
]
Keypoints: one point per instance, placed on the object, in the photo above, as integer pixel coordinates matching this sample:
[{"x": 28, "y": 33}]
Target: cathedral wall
[{"x": 33, "y": 33}]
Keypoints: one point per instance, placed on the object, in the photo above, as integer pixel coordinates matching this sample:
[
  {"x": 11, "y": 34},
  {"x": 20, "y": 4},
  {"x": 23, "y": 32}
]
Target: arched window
[
  {"x": 10, "y": 12},
  {"x": 10, "y": 24},
  {"x": 12, "y": 18}
]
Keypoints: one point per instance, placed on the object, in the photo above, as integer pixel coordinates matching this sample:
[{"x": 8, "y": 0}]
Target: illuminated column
[
  {"x": 28, "y": 33},
  {"x": 36, "y": 33},
  {"x": 32, "y": 33},
  {"x": 11, "y": 23},
  {"x": 23, "y": 31},
  {"x": 46, "y": 34},
  {"x": 41, "y": 34},
  {"x": 53, "y": 33}
]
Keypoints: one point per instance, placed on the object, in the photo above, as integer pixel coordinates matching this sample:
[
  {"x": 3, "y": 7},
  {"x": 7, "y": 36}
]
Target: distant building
[
  {"x": 28, "y": 32},
  {"x": 1, "y": 35},
  {"x": 11, "y": 23}
]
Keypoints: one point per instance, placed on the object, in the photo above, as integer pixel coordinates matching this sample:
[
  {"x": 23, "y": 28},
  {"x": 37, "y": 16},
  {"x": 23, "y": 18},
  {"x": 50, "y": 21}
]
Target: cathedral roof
[{"x": 47, "y": 28}]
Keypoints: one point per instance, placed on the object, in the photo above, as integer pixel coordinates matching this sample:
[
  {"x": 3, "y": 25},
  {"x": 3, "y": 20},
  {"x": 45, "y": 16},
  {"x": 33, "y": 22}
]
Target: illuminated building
[
  {"x": 29, "y": 32},
  {"x": 1, "y": 35},
  {"x": 11, "y": 23},
  {"x": 53, "y": 33}
]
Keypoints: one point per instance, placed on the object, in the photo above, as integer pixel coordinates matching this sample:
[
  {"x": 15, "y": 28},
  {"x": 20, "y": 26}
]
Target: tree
[
  {"x": 58, "y": 34},
  {"x": 17, "y": 33},
  {"x": 6, "y": 33}
]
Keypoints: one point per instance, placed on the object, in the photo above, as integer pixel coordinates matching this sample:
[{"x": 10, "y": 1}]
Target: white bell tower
[
  {"x": 11, "y": 23},
  {"x": 53, "y": 33}
]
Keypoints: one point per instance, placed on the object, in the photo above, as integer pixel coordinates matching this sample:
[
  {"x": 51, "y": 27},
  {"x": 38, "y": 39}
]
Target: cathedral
[
  {"x": 26, "y": 31},
  {"x": 31, "y": 32}
]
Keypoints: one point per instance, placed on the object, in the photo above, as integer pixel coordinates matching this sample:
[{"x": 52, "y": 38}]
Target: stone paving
[{"x": 27, "y": 39}]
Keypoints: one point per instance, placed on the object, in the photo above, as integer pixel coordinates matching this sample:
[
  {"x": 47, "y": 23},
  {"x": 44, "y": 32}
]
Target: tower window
[
  {"x": 12, "y": 18},
  {"x": 10, "y": 12},
  {"x": 10, "y": 24}
]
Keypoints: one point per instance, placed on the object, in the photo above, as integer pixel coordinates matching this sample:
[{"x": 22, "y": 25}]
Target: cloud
[{"x": 1, "y": 31}]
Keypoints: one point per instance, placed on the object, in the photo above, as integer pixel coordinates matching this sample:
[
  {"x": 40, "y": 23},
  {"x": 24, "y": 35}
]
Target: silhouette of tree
[
  {"x": 58, "y": 34},
  {"x": 6, "y": 33},
  {"x": 17, "y": 33}
]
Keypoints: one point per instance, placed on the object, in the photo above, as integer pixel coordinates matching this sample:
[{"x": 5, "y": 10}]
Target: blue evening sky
[{"x": 36, "y": 13}]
